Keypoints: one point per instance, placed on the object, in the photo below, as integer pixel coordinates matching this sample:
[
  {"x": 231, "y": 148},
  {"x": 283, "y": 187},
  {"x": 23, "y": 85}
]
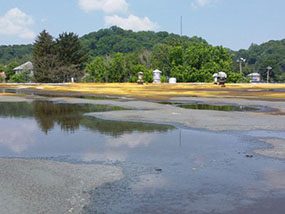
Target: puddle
[
  {"x": 166, "y": 169},
  {"x": 37, "y": 92},
  {"x": 50, "y": 116},
  {"x": 220, "y": 107},
  {"x": 60, "y": 129},
  {"x": 217, "y": 107}
]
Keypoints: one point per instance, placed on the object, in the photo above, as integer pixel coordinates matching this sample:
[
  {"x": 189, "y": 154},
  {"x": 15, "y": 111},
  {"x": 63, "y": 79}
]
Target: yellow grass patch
[{"x": 166, "y": 91}]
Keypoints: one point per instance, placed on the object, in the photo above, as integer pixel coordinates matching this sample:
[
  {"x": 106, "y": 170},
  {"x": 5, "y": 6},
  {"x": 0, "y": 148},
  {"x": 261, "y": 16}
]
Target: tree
[
  {"x": 176, "y": 56},
  {"x": 97, "y": 69},
  {"x": 9, "y": 69},
  {"x": 44, "y": 58},
  {"x": 60, "y": 60},
  {"x": 160, "y": 58},
  {"x": 71, "y": 56},
  {"x": 181, "y": 73},
  {"x": 70, "y": 50},
  {"x": 118, "y": 71}
]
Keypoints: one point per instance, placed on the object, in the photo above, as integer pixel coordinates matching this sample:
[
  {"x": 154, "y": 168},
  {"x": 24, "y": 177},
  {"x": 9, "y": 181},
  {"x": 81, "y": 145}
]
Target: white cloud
[
  {"x": 107, "y": 6},
  {"x": 13, "y": 139},
  {"x": 17, "y": 23},
  {"x": 201, "y": 3},
  {"x": 132, "y": 22}
]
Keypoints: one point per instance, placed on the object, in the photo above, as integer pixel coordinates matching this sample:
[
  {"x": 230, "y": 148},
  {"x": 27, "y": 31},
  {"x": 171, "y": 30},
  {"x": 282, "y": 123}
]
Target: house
[
  {"x": 254, "y": 77},
  {"x": 28, "y": 66}
]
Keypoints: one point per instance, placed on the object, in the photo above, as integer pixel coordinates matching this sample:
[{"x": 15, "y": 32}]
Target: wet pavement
[{"x": 166, "y": 169}]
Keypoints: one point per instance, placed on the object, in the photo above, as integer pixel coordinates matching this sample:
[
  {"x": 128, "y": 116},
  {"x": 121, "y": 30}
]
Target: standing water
[{"x": 166, "y": 169}]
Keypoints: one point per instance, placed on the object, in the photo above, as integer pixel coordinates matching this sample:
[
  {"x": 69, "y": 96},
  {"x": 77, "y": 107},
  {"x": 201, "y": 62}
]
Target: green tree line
[
  {"x": 117, "y": 55},
  {"x": 259, "y": 57}
]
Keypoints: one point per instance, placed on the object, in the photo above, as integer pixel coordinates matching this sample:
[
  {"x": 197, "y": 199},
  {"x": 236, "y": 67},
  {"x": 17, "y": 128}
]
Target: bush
[
  {"x": 200, "y": 76},
  {"x": 22, "y": 77},
  {"x": 87, "y": 78},
  {"x": 133, "y": 79},
  {"x": 237, "y": 78},
  {"x": 164, "y": 79},
  {"x": 148, "y": 76}
]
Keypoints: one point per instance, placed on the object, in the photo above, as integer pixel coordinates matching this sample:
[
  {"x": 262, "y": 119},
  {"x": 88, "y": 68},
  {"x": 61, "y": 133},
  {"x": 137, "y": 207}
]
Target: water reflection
[
  {"x": 44, "y": 129},
  {"x": 70, "y": 117},
  {"x": 117, "y": 128},
  {"x": 199, "y": 106}
]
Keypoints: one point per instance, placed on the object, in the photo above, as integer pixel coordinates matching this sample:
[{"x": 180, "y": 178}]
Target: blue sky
[{"x": 231, "y": 23}]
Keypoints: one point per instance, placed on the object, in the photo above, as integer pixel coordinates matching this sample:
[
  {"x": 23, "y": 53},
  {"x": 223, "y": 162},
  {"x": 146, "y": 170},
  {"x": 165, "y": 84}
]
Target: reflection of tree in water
[
  {"x": 117, "y": 128},
  {"x": 48, "y": 114},
  {"x": 67, "y": 116},
  {"x": 16, "y": 109},
  {"x": 70, "y": 116}
]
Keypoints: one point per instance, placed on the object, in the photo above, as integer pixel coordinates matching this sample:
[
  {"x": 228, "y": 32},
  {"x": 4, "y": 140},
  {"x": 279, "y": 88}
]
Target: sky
[{"x": 234, "y": 24}]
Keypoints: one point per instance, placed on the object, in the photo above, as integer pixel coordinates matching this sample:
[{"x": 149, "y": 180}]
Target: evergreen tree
[
  {"x": 71, "y": 56},
  {"x": 44, "y": 58}
]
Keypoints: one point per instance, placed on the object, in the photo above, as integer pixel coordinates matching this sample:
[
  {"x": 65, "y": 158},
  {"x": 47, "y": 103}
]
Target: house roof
[{"x": 26, "y": 66}]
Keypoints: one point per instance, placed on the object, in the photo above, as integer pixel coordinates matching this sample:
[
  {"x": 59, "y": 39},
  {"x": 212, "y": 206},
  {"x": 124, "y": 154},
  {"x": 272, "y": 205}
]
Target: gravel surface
[
  {"x": 39, "y": 186},
  {"x": 277, "y": 149}
]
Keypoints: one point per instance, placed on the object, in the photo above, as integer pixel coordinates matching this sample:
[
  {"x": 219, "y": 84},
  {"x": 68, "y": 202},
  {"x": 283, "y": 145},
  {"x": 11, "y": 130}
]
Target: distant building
[
  {"x": 28, "y": 66},
  {"x": 254, "y": 77}
]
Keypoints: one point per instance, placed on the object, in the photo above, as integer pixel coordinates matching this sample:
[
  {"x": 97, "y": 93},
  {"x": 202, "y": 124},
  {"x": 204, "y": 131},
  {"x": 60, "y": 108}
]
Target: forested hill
[
  {"x": 259, "y": 57},
  {"x": 17, "y": 53},
  {"x": 115, "y": 40},
  {"x": 103, "y": 42}
]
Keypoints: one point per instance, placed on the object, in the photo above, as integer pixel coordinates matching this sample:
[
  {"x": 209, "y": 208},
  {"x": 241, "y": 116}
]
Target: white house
[{"x": 28, "y": 66}]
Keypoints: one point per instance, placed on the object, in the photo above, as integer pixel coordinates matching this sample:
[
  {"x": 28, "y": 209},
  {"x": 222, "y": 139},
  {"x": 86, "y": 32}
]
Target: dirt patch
[{"x": 277, "y": 150}]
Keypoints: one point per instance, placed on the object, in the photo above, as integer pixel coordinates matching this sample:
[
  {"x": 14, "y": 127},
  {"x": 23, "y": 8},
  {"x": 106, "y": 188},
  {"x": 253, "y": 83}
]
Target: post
[
  {"x": 181, "y": 26},
  {"x": 240, "y": 66},
  {"x": 240, "y": 61},
  {"x": 268, "y": 73}
]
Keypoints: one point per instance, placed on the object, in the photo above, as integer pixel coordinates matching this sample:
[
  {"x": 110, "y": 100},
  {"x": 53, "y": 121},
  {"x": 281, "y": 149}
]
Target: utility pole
[
  {"x": 240, "y": 61},
  {"x": 181, "y": 25},
  {"x": 269, "y": 68}
]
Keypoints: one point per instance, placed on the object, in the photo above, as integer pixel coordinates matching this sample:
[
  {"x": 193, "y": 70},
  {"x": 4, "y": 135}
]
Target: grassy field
[{"x": 164, "y": 91}]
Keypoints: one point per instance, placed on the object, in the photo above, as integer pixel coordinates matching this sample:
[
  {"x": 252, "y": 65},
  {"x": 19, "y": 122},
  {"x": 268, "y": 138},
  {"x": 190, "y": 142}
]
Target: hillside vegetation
[
  {"x": 259, "y": 57},
  {"x": 116, "y": 55}
]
